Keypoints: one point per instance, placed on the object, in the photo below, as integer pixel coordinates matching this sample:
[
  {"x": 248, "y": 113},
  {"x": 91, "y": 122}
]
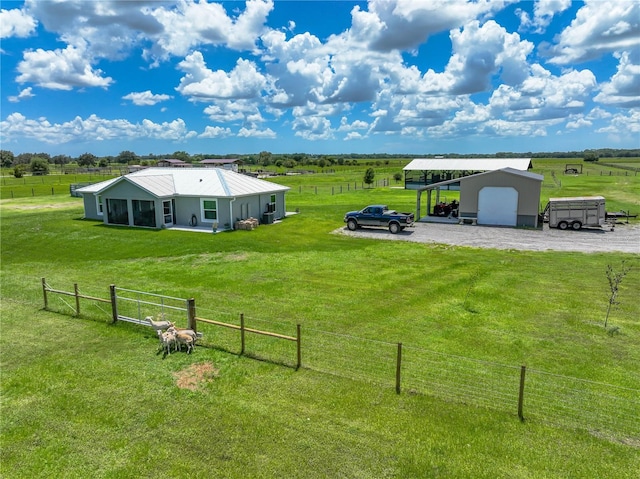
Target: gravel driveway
[{"x": 623, "y": 238}]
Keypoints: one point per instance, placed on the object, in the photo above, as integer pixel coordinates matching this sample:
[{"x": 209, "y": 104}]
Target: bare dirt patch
[
  {"x": 13, "y": 205},
  {"x": 196, "y": 376}
]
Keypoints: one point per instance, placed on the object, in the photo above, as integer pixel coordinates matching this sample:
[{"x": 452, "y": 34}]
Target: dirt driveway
[{"x": 623, "y": 238}]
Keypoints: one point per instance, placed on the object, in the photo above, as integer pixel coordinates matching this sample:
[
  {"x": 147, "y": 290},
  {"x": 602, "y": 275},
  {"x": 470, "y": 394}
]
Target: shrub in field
[
  {"x": 615, "y": 278},
  {"x": 18, "y": 171}
]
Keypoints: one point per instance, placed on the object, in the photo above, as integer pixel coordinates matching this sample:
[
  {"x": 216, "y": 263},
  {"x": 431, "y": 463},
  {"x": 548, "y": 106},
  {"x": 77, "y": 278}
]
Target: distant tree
[
  {"x": 61, "y": 159},
  {"x": 369, "y": 175},
  {"x": 397, "y": 177},
  {"x": 6, "y": 158},
  {"x": 18, "y": 170},
  {"x": 322, "y": 162},
  {"x": 182, "y": 155},
  {"x": 127, "y": 157},
  {"x": 87, "y": 159},
  {"x": 265, "y": 158},
  {"x": 290, "y": 163},
  {"x": 39, "y": 166},
  {"x": 103, "y": 163},
  {"x": 590, "y": 155},
  {"x": 23, "y": 159},
  {"x": 615, "y": 278}
]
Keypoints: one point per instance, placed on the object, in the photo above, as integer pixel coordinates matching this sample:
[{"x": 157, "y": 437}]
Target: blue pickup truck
[{"x": 378, "y": 215}]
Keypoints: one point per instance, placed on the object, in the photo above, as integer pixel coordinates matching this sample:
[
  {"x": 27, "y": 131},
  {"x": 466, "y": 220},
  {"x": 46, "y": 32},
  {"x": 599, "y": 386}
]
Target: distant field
[{"x": 82, "y": 398}]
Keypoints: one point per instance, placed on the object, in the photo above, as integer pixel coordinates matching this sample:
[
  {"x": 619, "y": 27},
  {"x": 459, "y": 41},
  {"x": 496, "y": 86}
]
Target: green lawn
[{"x": 83, "y": 398}]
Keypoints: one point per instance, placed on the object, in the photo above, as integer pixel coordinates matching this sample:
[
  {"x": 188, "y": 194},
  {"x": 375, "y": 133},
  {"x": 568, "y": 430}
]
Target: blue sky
[{"x": 319, "y": 77}]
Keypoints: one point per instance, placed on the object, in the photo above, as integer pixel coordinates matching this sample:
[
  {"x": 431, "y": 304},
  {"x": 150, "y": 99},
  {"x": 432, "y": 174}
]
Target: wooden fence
[{"x": 192, "y": 319}]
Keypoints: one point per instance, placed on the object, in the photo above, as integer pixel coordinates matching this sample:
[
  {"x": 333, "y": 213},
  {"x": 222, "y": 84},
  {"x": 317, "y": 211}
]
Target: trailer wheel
[
  {"x": 576, "y": 225},
  {"x": 394, "y": 228},
  {"x": 352, "y": 224},
  {"x": 563, "y": 225}
]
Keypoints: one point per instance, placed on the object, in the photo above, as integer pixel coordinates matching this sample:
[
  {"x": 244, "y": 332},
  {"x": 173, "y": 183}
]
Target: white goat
[
  {"x": 167, "y": 341},
  {"x": 158, "y": 325}
]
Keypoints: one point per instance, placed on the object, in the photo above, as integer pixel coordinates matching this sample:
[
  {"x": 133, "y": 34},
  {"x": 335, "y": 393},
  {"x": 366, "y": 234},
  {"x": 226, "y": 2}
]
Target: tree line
[{"x": 38, "y": 163}]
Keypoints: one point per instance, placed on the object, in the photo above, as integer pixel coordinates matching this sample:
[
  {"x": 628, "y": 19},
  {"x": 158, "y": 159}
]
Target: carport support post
[
  {"x": 191, "y": 315},
  {"x": 523, "y": 370},
  {"x": 114, "y": 303},
  {"x": 44, "y": 293}
]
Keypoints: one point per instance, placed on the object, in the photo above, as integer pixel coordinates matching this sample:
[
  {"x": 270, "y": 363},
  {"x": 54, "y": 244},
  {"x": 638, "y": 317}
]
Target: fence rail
[{"x": 528, "y": 393}]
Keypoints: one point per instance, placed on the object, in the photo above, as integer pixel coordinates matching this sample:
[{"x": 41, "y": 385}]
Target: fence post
[
  {"x": 241, "y": 333},
  {"x": 523, "y": 370},
  {"x": 77, "y": 295},
  {"x": 191, "y": 315},
  {"x": 398, "y": 368},
  {"x": 114, "y": 303},
  {"x": 298, "y": 347},
  {"x": 44, "y": 293}
]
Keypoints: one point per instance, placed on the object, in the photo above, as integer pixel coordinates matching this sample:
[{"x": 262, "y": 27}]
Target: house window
[
  {"x": 271, "y": 207},
  {"x": 209, "y": 210},
  {"x": 117, "y": 212},
  {"x": 144, "y": 213},
  {"x": 99, "y": 206}
]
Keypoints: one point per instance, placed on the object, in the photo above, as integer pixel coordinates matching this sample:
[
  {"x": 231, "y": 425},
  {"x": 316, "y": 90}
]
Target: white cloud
[
  {"x": 24, "y": 94},
  {"x": 16, "y": 23},
  {"x": 405, "y": 24},
  {"x": 60, "y": 69},
  {"x": 312, "y": 128},
  {"x": 106, "y": 28},
  {"x": 146, "y": 98},
  {"x": 202, "y": 84},
  {"x": 355, "y": 125},
  {"x": 92, "y": 128},
  {"x": 600, "y": 27},
  {"x": 624, "y": 88},
  {"x": 543, "y": 96},
  {"x": 215, "y": 132},
  {"x": 354, "y": 135},
  {"x": 267, "y": 133},
  {"x": 624, "y": 122},
  {"x": 543, "y": 13},
  {"x": 192, "y": 24}
]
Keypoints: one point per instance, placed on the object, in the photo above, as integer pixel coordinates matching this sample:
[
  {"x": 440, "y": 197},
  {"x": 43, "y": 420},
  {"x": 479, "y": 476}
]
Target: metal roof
[
  {"x": 468, "y": 164},
  {"x": 512, "y": 171},
  {"x": 201, "y": 182}
]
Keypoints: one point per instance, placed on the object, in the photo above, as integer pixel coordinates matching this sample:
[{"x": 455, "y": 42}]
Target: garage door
[{"x": 498, "y": 206}]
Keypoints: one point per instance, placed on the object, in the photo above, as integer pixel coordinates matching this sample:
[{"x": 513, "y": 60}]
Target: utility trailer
[{"x": 575, "y": 212}]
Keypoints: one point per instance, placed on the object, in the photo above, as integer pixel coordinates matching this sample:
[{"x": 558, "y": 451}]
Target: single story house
[
  {"x": 166, "y": 197},
  {"x": 426, "y": 171},
  {"x": 505, "y": 197},
  {"x": 227, "y": 163}
]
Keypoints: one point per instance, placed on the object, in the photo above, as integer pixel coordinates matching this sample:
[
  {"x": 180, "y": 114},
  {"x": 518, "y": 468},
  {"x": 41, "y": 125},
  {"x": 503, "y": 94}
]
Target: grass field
[{"x": 83, "y": 398}]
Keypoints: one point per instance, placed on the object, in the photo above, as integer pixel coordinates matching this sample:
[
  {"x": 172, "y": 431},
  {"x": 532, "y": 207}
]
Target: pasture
[{"x": 82, "y": 397}]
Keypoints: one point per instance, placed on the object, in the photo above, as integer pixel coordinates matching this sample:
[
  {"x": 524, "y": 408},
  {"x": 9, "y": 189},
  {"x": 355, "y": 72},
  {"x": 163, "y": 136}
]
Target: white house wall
[{"x": 90, "y": 207}]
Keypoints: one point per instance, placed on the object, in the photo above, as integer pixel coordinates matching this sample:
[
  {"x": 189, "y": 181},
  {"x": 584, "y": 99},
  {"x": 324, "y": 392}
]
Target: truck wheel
[
  {"x": 352, "y": 225},
  {"x": 394, "y": 228},
  {"x": 563, "y": 225},
  {"x": 576, "y": 225}
]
